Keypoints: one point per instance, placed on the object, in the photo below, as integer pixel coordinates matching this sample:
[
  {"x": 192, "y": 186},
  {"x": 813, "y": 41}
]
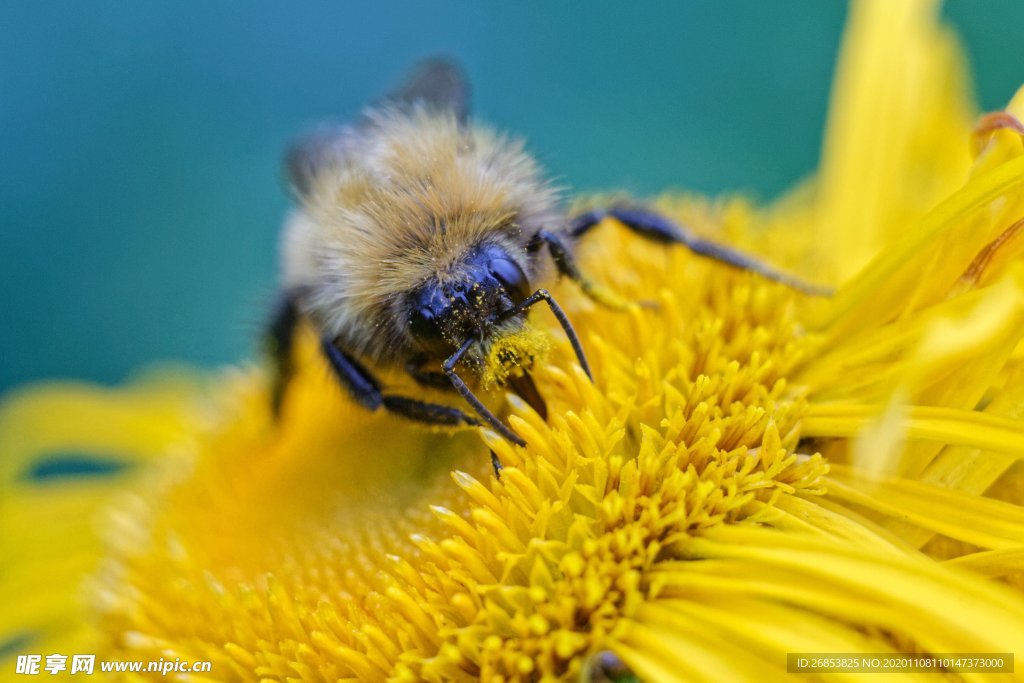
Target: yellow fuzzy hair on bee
[{"x": 397, "y": 203}]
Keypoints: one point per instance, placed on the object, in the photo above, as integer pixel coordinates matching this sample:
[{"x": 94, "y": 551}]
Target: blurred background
[{"x": 140, "y": 193}]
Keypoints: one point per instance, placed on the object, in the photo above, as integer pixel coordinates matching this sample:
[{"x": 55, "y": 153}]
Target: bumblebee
[{"x": 420, "y": 237}]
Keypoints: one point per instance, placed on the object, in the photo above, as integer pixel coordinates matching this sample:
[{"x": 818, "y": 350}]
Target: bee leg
[
  {"x": 561, "y": 254},
  {"x": 427, "y": 378},
  {"x": 279, "y": 336},
  {"x": 523, "y": 385},
  {"x": 563, "y": 320},
  {"x": 496, "y": 464},
  {"x": 366, "y": 390},
  {"x": 657, "y": 228},
  {"x": 467, "y": 393}
]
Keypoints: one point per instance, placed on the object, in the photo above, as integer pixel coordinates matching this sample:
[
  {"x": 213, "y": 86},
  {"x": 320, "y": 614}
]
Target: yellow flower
[{"x": 753, "y": 473}]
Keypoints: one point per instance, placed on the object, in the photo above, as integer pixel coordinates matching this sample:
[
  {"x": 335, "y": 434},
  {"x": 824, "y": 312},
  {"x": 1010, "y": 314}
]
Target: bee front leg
[
  {"x": 658, "y": 228},
  {"x": 566, "y": 265},
  {"x": 367, "y": 391},
  {"x": 439, "y": 380}
]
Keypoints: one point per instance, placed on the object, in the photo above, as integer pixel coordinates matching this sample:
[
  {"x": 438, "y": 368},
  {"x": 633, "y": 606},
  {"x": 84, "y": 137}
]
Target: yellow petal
[{"x": 897, "y": 136}]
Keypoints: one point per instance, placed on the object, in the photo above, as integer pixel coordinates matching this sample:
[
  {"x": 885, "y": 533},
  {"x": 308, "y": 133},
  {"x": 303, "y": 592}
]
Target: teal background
[{"x": 140, "y": 197}]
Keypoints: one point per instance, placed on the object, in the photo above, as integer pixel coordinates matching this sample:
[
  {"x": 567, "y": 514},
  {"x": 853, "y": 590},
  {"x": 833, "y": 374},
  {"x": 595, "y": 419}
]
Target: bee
[{"x": 420, "y": 237}]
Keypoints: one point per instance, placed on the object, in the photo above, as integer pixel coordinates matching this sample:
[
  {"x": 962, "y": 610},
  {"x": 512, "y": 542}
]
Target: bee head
[{"x": 483, "y": 289}]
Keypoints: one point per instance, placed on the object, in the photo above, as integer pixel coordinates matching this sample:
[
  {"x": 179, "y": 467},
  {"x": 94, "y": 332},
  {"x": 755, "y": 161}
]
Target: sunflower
[{"x": 754, "y": 473}]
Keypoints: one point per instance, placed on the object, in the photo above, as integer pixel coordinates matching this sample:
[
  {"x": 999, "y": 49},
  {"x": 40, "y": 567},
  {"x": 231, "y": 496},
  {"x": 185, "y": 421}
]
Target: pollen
[{"x": 513, "y": 353}]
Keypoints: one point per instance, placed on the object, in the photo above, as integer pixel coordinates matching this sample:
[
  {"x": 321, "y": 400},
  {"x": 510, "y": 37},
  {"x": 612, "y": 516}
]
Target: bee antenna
[
  {"x": 471, "y": 399},
  {"x": 563, "y": 320}
]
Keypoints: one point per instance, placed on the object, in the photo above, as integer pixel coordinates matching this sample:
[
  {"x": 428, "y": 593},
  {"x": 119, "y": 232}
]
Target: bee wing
[
  {"x": 438, "y": 83},
  {"x": 323, "y": 147}
]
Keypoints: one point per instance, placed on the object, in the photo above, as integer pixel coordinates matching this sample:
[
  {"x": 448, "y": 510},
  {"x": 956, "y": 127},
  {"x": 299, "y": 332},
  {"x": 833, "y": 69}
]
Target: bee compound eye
[{"x": 512, "y": 278}]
